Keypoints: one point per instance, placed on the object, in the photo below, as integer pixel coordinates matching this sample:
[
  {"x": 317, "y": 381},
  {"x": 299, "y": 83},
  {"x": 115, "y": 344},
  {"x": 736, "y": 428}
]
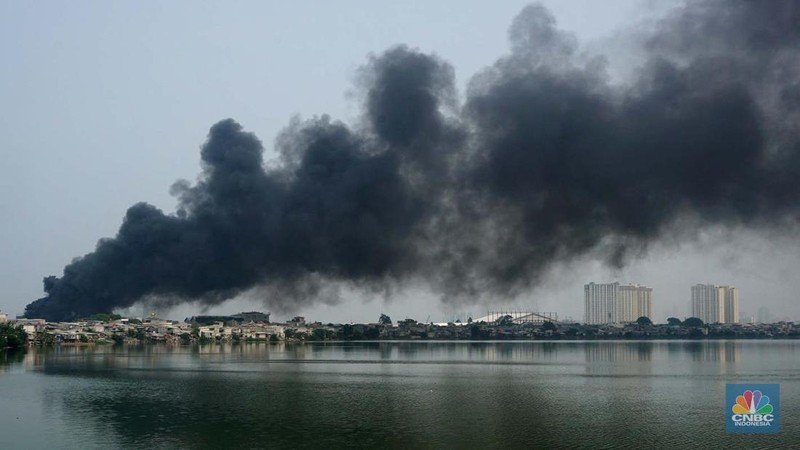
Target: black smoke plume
[{"x": 544, "y": 160}]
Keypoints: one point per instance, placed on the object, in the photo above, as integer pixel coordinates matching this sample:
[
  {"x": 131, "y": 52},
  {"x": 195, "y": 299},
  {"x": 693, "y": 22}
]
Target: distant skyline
[{"x": 106, "y": 105}]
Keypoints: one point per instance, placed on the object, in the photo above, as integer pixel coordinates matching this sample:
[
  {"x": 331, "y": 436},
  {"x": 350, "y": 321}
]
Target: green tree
[
  {"x": 673, "y": 321},
  {"x": 506, "y": 321},
  {"x": 644, "y": 320},
  {"x": 12, "y": 337},
  {"x": 696, "y": 332},
  {"x": 47, "y": 340},
  {"x": 372, "y": 333},
  {"x": 195, "y": 330},
  {"x": 693, "y": 322},
  {"x": 385, "y": 320},
  {"x": 319, "y": 334},
  {"x": 549, "y": 326},
  {"x": 474, "y": 332},
  {"x": 118, "y": 339},
  {"x": 186, "y": 338},
  {"x": 105, "y": 317},
  {"x": 347, "y": 332},
  {"x": 572, "y": 331},
  {"x": 83, "y": 338}
]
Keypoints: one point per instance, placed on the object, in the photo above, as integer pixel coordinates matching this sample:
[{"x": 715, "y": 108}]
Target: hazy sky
[{"x": 105, "y": 104}]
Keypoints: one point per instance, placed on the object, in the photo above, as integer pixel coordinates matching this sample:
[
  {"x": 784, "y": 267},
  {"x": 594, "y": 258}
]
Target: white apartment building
[
  {"x": 615, "y": 303},
  {"x": 731, "y": 304},
  {"x": 715, "y": 304},
  {"x": 634, "y": 301}
]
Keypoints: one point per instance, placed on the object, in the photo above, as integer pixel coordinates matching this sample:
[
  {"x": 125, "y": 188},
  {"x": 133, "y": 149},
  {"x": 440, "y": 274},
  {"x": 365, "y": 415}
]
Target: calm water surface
[{"x": 393, "y": 395}]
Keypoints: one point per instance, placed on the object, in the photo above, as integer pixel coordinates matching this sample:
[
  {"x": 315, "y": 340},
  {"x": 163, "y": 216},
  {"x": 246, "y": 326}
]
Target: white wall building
[
  {"x": 731, "y": 304},
  {"x": 715, "y": 304},
  {"x": 615, "y": 303},
  {"x": 634, "y": 301}
]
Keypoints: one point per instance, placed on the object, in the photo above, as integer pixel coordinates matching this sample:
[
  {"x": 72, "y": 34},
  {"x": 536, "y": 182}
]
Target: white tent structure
[{"x": 519, "y": 317}]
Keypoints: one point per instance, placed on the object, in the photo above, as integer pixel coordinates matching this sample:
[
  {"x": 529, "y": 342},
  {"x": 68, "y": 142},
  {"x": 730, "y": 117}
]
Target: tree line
[{"x": 12, "y": 337}]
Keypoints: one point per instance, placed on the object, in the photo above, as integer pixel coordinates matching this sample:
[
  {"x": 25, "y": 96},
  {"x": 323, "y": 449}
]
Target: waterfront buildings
[
  {"x": 519, "y": 317},
  {"x": 615, "y": 303},
  {"x": 715, "y": 304},
  {"x": 242, "y": 317}
]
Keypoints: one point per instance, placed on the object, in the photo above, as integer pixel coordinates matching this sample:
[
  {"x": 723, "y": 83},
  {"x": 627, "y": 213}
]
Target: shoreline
[{"x": 419, "y": 341}]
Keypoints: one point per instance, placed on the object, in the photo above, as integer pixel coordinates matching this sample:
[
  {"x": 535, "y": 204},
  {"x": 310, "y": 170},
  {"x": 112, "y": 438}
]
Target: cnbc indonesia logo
[
  {"x": 752, "y": 406},
  {"x": 751, "y": 409}
]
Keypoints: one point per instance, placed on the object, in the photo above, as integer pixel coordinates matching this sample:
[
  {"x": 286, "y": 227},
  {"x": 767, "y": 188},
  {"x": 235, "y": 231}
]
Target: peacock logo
[
  {"x": 752, "y": 402},
  {"x": 753, "y": 408}
]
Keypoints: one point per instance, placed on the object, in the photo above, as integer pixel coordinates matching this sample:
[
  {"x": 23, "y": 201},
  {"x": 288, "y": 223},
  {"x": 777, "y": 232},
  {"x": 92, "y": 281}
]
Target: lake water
[{"x": 393, "y": 395}]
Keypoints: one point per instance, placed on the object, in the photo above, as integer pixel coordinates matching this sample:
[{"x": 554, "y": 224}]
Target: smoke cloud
[{"x": 543, "y": 160}]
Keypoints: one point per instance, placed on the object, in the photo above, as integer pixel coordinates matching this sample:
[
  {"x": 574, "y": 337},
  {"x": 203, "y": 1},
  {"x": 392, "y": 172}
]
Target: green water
[{"x": 393, "y": 395}]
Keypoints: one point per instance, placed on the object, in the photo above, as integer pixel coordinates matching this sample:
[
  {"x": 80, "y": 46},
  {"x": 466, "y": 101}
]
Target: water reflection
[
  {"x": 9, "y": 357},
  {"x": 618, "y": 359},
  {"x": 618, "y": 351},
  {"x": 388, "y": 394},
  {"x": 708, "y": 351}
]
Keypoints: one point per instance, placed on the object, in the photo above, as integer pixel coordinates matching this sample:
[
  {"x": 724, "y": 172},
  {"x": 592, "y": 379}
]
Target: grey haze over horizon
[{"x": 109, "y": 102}]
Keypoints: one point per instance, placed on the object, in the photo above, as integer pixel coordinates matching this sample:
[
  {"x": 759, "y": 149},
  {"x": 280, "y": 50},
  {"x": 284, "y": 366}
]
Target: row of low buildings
[
  {"x": 623, "y": 303},
  {"x": 778, "y": 330},
  {"x": 503, "y": 327},
  {"x": 151, "y": 329}
]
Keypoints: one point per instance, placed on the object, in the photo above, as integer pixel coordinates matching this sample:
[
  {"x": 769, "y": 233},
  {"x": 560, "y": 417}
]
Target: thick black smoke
[{"x": 545, "y": 160}]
